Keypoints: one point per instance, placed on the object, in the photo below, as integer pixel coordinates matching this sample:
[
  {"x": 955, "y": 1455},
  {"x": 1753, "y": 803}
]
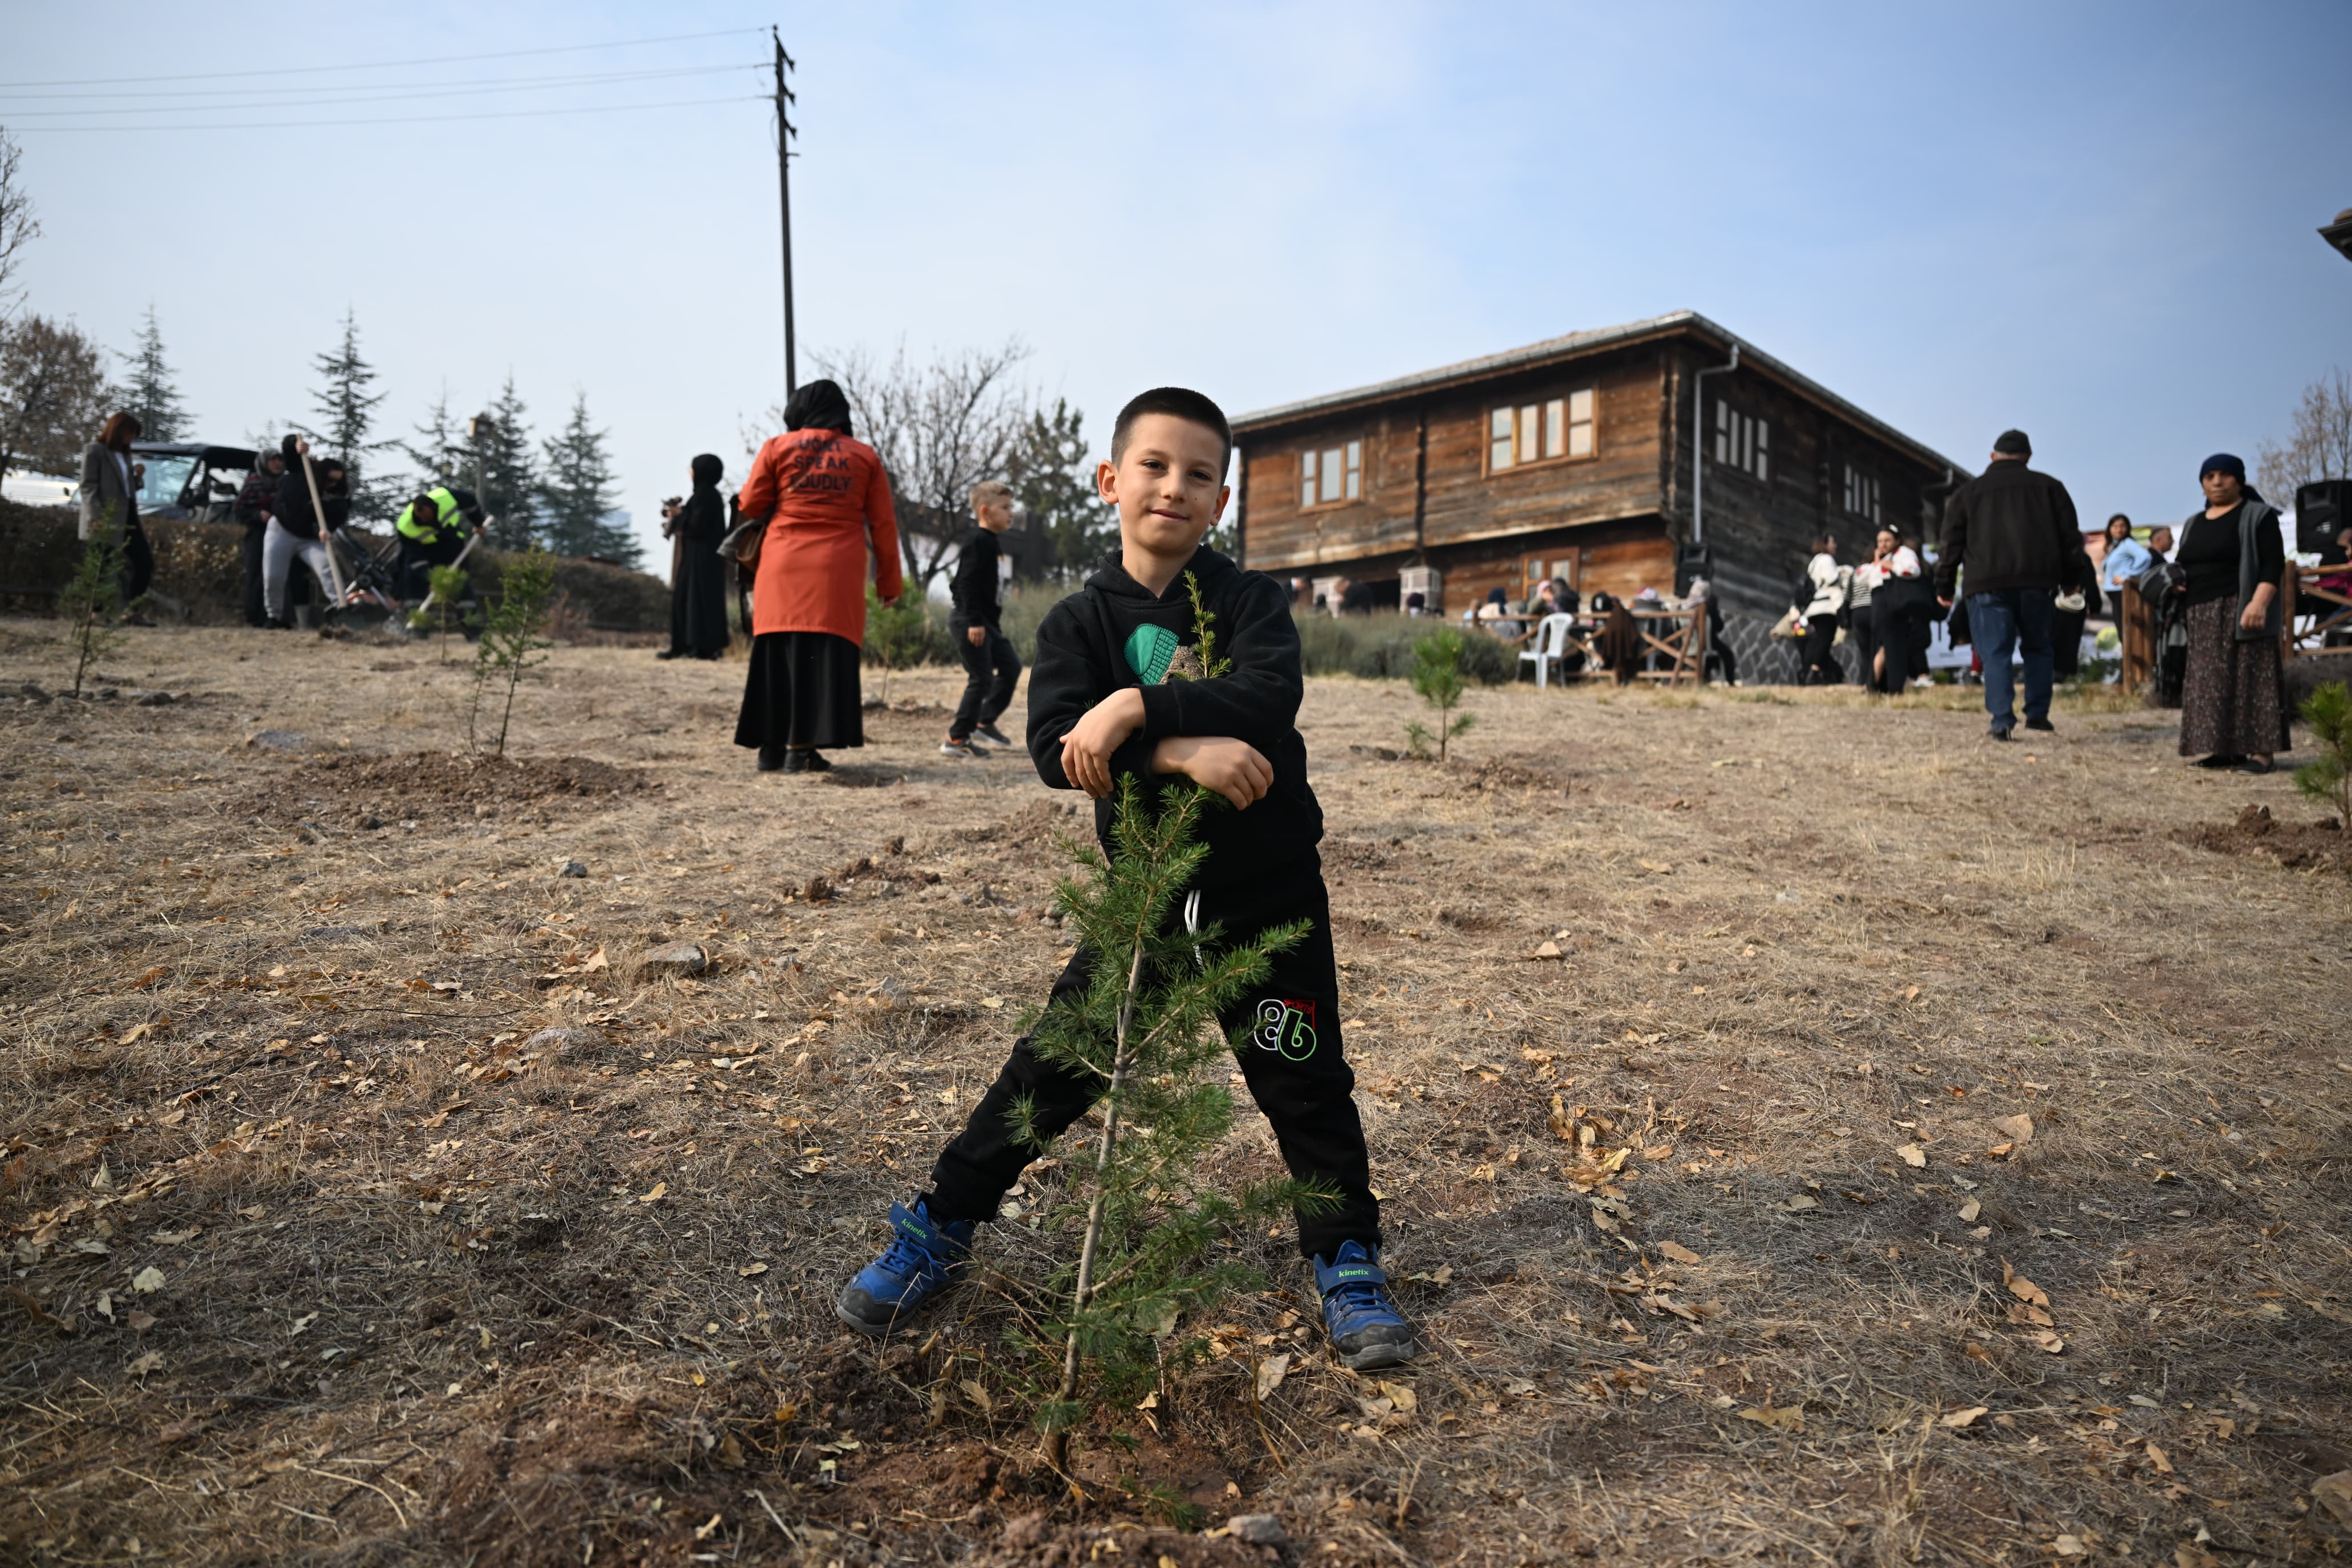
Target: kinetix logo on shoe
[{"x": 1286, "y": 1026}]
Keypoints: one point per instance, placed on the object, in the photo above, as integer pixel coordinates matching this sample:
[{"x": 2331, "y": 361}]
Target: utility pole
[{"x": 785, "y": 134}]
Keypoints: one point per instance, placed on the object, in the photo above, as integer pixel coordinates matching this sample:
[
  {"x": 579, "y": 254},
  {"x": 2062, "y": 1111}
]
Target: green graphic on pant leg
[
  {"x": 1288, "y": 1027},
  {"x": 1149, "y": 651}
]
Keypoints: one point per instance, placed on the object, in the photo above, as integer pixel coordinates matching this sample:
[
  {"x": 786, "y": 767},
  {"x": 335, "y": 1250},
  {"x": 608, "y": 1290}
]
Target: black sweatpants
[
  {"x": 1294, "y": 1065},
  {"x": 1820, "y": 665},
  {"x": 413, "y": 569},
  {"x": 138, "y": 563},
  {"x": 1864, "y": 634},
  {"x": 990, "y": 672},
  {"x": 257, "y": 608}
]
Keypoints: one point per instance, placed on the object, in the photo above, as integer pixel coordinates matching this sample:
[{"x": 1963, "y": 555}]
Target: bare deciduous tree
[
  {"x": 53, "y": 395},
  {"x": 940, "y": 428},
  {"x": 18, "y": 227},
  {"x": 2320, "y": 447}
]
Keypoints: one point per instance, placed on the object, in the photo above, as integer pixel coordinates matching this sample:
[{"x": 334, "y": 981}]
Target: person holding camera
[{"x": 697, "y": 577}]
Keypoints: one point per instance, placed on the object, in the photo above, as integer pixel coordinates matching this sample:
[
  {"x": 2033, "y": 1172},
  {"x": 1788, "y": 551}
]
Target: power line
[
  {"x": 404, "y": 118},
  {"x": 247, "y": 101},
  {"x": 473, "y": 84},
  {"x": 383, "y": 65}
]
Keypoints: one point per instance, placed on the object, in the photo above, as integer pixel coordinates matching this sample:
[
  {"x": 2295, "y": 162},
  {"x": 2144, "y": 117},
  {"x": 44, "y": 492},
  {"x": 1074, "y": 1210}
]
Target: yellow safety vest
[{"x": 427, "y": 531}]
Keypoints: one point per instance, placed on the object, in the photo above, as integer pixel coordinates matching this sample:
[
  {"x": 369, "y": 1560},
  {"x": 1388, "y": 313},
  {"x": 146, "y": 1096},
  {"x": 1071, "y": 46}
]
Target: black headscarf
[
  {"x": 819, "y": 406},
  {"x": 707, "y": 469}
]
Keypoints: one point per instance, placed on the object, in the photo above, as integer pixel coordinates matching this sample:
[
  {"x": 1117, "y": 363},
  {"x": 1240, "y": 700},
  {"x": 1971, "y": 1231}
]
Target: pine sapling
[
  {"x": 448, "y": 584},
  {"x": 1146, "y": 1026},
  {"x": 92, "y": 599},
  {"x": 511, "y": 639},
  {"x": 1437, "y": 675},
  {"x": 2327, "y": 778},
  {"x": 896, "y": 632}
]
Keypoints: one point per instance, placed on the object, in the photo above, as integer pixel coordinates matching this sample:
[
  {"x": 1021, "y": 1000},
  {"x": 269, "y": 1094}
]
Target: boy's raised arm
[
  {"x": 1257, "y": 699},
  {"x": 1063, "y": 686}
]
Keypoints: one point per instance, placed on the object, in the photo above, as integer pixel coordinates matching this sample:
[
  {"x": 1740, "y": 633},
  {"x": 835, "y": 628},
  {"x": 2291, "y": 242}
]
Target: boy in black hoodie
[{"x": 1101, "y": 707}]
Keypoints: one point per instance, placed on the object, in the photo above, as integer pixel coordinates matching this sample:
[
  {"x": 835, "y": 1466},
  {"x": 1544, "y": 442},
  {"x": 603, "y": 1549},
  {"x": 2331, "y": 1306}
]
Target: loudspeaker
[{"x": 2322, "y": 511}]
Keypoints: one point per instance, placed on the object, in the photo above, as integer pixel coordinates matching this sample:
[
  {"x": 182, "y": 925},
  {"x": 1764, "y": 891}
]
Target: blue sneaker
[
  {"x": 1366, "y": 1329},
  {"x": 926, "y": 1256}
]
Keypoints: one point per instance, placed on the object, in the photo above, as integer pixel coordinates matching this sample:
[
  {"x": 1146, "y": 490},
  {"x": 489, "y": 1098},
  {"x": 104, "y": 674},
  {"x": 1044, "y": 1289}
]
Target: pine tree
[
  {"x": 577, "y": 493},
  {"x": 1144, "y": 1198},
  {"x": 1053, "y": 479},
  {"x": 439, "y": 455},
  {"x": 153, "y": 393},
  {"x": 347, "y": 410},
  {"x": 510, "y": 475}
]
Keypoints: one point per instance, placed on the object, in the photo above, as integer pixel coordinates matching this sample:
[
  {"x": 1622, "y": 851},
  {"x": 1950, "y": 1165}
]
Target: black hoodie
[{"x": 1115, "y": 632}]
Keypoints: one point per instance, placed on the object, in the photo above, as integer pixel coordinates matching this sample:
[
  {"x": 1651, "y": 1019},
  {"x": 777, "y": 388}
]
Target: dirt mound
[
  {"x": 2297, "y": 845},
  {"x": 475, "y": 781},
  {"x": 1515, "y": 773}
]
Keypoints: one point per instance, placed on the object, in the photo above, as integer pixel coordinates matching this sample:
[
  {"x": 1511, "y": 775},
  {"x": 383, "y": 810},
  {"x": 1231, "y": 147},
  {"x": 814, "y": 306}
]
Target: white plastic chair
[{"x": 1551, "y": 646}]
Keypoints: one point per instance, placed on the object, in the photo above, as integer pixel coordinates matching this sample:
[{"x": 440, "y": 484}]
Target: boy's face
[
  {"x": 996, "y": 516},
  {"x": 1169, "y": 485}
]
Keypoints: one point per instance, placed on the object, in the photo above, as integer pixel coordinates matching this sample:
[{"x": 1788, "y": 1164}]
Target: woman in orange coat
[{"x": 827, "y": 502}]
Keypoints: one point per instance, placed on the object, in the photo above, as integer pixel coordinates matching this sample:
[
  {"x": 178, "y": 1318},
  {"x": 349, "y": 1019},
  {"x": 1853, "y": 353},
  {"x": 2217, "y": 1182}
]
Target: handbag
[{"x": 743, "y": 539}]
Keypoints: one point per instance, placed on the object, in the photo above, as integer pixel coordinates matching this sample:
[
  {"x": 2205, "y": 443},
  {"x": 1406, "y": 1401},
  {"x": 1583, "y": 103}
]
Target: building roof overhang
[{"x": 1574, "y": 345}]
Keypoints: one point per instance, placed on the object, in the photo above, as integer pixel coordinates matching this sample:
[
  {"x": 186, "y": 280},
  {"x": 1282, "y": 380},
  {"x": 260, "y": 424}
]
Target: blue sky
[{"x": 2092, "y": 221}]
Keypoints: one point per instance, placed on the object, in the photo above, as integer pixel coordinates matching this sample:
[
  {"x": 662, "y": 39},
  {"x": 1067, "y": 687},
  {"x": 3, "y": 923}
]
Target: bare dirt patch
[
  {"x": 454, "y": 778},
  {"x": 1730, "y": 1226},
  {"x": 2296, "y": 845}
]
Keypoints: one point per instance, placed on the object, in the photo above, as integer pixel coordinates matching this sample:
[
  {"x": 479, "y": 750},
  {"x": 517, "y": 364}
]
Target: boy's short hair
[
  {"x": 989, "y": 492},
  {"x": 1183, "y": 403}
]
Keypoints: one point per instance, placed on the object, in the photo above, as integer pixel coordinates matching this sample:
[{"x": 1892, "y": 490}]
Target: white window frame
[
  {"x": 1331, "y": 475},
  {"x": 1560, "y": 429},
  {"x": 1743, "y": 441},
  {"x": 1862, "y": 495}
]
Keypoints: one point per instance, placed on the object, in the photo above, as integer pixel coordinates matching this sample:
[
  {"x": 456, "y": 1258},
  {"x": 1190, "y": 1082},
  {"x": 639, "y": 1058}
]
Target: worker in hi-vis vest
[{"x": 432, "y": 530}]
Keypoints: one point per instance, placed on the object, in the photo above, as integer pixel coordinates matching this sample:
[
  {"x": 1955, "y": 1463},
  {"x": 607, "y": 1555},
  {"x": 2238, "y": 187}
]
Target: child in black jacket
[{"x": 1101, "y": 707}]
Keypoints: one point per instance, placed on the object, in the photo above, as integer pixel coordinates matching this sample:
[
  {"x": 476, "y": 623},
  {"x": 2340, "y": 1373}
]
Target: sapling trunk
[{"x": 1058, "y": 1442}]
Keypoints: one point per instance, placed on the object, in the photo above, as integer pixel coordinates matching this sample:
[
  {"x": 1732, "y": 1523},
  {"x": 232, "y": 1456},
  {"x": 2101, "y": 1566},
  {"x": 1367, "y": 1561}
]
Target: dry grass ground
[{"x": 1882, "y": 1077}]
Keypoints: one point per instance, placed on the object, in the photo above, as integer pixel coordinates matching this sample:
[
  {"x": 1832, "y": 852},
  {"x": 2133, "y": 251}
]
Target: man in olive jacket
[{"x": 2012, "y": 531}]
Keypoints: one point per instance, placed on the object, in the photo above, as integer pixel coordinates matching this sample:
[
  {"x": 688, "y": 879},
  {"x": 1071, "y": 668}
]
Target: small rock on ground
[
  {"x": 274, "y": 740},
  {"x": 565, "y": 1042},
  {"x": 678, "y": 958},
  {"x": 1257, "y": 1529},
  {"x": 572, "y": 869}
]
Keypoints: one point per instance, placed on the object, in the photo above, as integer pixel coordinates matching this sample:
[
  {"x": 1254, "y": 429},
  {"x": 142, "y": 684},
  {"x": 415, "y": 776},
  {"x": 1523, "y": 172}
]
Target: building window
[
  {"x": 1742, "y": 441},
  {"x": 1540, "y": 431},
  {"x": 1331, "y": 475},
  {"x": 1861, "y": 495}
]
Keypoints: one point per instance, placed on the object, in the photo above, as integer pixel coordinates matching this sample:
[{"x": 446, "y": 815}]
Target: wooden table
[{"x": 1680, "y": 637}]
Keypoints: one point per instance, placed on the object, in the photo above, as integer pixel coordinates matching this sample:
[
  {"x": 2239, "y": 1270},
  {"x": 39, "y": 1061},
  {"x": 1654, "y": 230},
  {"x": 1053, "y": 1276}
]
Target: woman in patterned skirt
[{"x": 2233, "y": 699}]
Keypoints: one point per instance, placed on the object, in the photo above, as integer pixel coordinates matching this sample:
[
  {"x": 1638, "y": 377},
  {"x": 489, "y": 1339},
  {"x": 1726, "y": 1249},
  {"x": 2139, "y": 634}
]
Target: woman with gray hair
[{"x": 2232, "y": 696}]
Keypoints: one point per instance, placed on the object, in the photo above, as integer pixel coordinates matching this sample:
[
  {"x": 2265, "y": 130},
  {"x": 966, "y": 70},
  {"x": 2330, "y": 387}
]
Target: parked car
[{"x": 193, "y": 481}]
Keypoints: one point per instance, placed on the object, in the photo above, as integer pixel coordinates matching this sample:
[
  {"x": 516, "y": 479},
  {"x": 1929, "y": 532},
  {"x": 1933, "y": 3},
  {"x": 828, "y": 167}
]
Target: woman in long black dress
[
  {"x": 698, "y": 589},
  {"x": 2232, "y": 697}
]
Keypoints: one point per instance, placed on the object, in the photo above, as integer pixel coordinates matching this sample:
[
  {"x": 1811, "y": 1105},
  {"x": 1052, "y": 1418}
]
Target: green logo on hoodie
[{"x": 1149, "y": 651}]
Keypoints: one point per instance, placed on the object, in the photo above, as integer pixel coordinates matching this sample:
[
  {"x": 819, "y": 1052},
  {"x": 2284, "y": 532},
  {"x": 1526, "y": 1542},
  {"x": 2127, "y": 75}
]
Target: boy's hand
[
  {"x": 1087, "y": 749},
  {"x": 1234, "y": 769}
]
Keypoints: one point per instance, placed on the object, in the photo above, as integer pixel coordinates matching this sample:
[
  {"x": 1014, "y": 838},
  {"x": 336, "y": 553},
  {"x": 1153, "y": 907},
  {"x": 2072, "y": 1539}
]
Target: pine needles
[
  {"x": 91, "y": 599},
  {"x": 2327, "y": 778},
  {"x": 512, "y": 640},
  {"x": 1147, "y": 1027}
]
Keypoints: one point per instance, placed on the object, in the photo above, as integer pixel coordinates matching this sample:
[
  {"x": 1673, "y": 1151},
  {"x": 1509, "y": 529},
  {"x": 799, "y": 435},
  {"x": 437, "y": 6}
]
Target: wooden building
[{"x": 1573, "y": 458}]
